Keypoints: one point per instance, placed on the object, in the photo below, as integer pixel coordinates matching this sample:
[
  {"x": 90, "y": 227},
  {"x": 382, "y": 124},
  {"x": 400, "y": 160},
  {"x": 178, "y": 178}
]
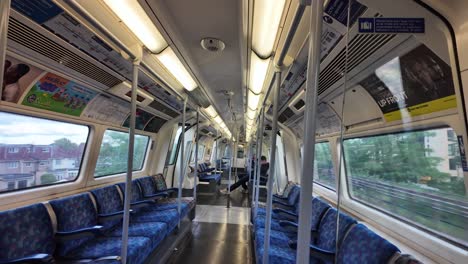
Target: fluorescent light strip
[
  {"x": 136, "y": 19},
  {"x": 211, "y": 111},
  {"x": 169, "y": 59},
  {"x": 252, "y": 100},
  {"x": 258, "y": 71},
  {"x": 267, "y": 17}
]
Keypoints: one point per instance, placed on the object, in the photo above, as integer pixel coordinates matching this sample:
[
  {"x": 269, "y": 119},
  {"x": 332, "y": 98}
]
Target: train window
[
  {"x": 323, "y": 168},
  {"x": 114, "y": 152},
  {"x": 201, "y": 151},
  {"x": 415, "y": 176},
  {"x": 175, "y": 145},
  {"x": 23, "y": 161}
]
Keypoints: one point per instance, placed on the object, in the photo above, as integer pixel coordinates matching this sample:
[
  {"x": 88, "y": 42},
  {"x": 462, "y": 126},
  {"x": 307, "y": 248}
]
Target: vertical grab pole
[
  {"x": 274, "y": 131},
  {"x": 256, "y": 164},
  {"x": 182, "y": 163},
  {"x": 196, "y": 157},
  {"x": 128, "y": 181},
  {"x": 4, "y": 18},
  {"x": 216, "y": 153},
  {"x": 231, "y": 160},
  {"x": 305, "y": 205},
  {"x": 262, "y": 127}
]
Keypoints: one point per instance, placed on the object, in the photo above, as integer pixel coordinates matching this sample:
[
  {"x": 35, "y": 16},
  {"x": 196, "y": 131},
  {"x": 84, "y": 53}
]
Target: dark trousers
[{"x": 242, "y": 181}]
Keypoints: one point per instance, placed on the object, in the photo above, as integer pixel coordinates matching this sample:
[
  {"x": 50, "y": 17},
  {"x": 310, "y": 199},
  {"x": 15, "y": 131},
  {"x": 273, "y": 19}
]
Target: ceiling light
[
  {"x": 251, "y": 114},
  {"x": 267, "y": 17},
  {"x": 169, "y": 59},
  {"x": 135, "y": 18},
  {"x": 218, "y": 120},
  {"x": 258, "y": 71},
  {"x": 211, "y": 111},
  {"x": 252, "y": 100}
]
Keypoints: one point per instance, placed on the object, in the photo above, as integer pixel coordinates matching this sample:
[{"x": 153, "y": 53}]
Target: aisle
[{"x": 220, "y": 235}]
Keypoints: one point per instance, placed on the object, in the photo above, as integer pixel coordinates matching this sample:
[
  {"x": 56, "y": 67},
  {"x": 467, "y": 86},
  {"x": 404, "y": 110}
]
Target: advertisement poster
[
  {"x": 107, "y": 109},
  {"x": 142, "y": 118},
  {"x": 57, "y": 94},
  {"x": 416, "y": 83},
  {"x": 17, "y": 78}
]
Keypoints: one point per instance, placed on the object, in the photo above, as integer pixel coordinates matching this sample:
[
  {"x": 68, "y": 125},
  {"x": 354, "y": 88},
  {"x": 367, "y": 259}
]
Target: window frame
[
  {"x": 81, "y": 169},
  {"x": 418, "y": 226},
  {"x": 145, "y": 156}
]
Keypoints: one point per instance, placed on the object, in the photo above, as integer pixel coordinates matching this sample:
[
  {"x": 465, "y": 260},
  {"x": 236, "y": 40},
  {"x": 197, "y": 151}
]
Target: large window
[
  {"x": 24, "y": 164},
  {"x": 114, "y": 152},
  {"x": 201, "y": 151},
  {"x": 414, "y": 176},
  {"x": 323, "y": 167}
]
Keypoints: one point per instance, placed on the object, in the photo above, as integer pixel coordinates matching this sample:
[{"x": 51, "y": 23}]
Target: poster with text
[
  {"x": 416, "y": 83},
  {"x": 57, "y": 94},
  {"x": 17, "y": 78},
  {"x": 107, "y": 109}
]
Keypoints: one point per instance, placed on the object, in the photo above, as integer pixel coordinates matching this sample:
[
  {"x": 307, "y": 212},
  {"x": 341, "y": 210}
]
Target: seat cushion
[
  {"x": 170, "y": 217},
  {"x": 148, "y": 186},
  {"x": 155, "y": 231},
  {"x": 277, "y": 255},
  {"x": 277, "y": 238},
  {"x": 25, "y": 231},
  {"x": 213, "y": 177},
  {"x": 139, "y": 248},
  {"x": 259, "y": 222}
]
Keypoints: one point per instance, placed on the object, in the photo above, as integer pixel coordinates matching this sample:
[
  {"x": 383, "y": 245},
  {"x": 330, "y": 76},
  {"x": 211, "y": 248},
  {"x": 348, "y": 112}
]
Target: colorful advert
[
  {"x": 414, "y": 84},
  {"x": 57, "y": 94},
  {"x": 17, "y": 78}
]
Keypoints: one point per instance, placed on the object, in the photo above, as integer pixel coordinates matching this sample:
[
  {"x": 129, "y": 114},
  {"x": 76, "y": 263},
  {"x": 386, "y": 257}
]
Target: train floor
[{"x": 219, "y": 234}]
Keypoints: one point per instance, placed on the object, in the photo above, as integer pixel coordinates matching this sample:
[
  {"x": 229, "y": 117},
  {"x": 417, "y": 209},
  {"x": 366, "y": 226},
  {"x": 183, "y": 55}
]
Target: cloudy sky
[{"x": 17, "y": 129}]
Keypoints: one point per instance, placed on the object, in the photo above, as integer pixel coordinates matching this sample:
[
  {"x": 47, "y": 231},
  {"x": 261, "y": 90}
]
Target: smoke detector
[{"x": 212, "y": 44}]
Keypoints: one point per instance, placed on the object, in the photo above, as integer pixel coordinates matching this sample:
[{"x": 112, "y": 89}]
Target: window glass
[
  {"x": 173, "y": 151},
  {"x": 23, "y": 161},
  {"x": 323, "y": 167},
  {"x": 114, "y": 152},
  {"x": 201, "y": 151},
  {"x": 416, "y": 176}
]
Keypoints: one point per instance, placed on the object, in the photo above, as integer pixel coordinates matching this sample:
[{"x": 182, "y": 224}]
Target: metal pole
[
  {"x": 256, "y": 164},
  {"x": 305, "y": 205},
  {"x": 231, "y": 160},
  {"x": 128, "y": 181},
  {"x": 274, "y": 130},
  {"x": 216, "y": 152},
  {"x": 182, "y": 163},
  {"x": 196, "y": 157},
  {"x": 262, "y": 127},
  {"x": 4, "y": 18}
]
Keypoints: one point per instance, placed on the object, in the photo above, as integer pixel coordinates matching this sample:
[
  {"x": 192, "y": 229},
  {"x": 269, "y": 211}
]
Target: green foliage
[
  {"x": 48, "y": 178},
  {"x": 66, "y": 144},
  {"x": 114, "y": 152}
]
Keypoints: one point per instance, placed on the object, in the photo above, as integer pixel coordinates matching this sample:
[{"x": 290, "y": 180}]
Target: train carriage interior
[{"x": 224, "y": 131}]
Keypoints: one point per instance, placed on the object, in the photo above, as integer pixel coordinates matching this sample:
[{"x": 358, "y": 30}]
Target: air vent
[
  {"x": 31, "y": 39},
  {"x": 163, "y": 109},
  {"x": 360, "y": 48},
  {"x": 205, "y": 131},
  {"x": 199, "y": 97},
  {"x": 285, "y": 115},
  {"x": 299, "y": 104}
]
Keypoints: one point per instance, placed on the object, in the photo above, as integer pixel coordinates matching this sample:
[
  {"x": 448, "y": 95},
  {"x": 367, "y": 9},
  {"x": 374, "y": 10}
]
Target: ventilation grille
[
  {"x": 199, "y": 97},
  {"x": 205, "y": 131},
  {"x": 163, "y": 109},
  {"x": 287, "y": 113},
  {"x": 29, "y": 38},
  {"x": 299, "y": 104},
  {"x": 360, "y": 48}
]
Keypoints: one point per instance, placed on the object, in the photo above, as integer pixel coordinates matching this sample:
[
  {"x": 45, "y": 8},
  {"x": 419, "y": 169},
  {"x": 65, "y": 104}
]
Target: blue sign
[
  {"x": 461, "y": 147},
  {"x": 39, "y": 10},
  {"x": 391, "y": 25},
  {"x": 338, "y": 9}
]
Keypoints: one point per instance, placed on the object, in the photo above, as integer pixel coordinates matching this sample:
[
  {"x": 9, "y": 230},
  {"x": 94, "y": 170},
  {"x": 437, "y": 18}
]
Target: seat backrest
[
  {"x": 160, "y": 182},
  {"x": 287, "y": 189},
  {"x": 147, "y": 185},
  {"x": 26, "y": 231},
  {"x": 319, "y": 208},
  {"x": 363, "y": 246},
  {"x": 73, "y": 213},
  {"x": 293, "y": 197},
  {"x": 136, "y": 191},
  {"x": 108, "y": 200},
  {"x": 327, "y": 230}
]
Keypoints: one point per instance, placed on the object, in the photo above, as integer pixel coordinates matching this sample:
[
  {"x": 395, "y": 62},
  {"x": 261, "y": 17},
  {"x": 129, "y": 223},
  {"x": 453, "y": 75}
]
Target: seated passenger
[{"x": 264, "y": 166}]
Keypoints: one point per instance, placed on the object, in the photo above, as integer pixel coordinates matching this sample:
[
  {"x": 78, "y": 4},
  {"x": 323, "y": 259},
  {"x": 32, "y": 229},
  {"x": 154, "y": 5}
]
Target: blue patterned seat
[
  {"x": 78, "y": 212},
  {"x": 108, "y": 201},
  {"x": 363, "y": 246},
  {"x": 151, "y": 212},
  {"x": 205, "y": 174},
  {"x": 26, "y": 231}
]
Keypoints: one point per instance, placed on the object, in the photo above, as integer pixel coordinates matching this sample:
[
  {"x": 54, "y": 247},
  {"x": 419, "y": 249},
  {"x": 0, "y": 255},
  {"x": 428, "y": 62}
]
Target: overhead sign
[{"x": 391, "y": 25}]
